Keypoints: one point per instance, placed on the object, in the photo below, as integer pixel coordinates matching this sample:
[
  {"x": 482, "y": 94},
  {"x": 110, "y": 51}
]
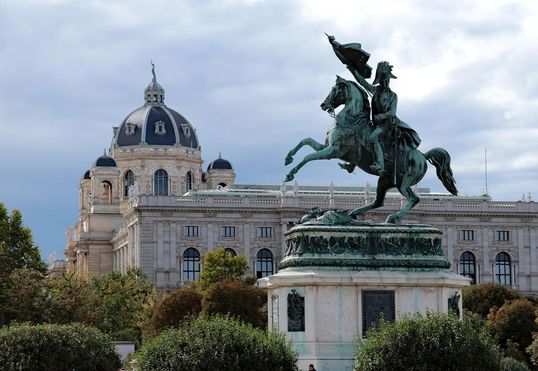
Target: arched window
[
  {"x": 264, "y": 263},
  {"x": 160, "y": 183},
  {"x": 230, "y": 251},
  {"x": 468, "y": 266},
  {"x": 128, "y": 180},
  {"x": 188, "y": 182},
  {"x": 503, "y": 269},
  {"x": 191, "y": 264}
]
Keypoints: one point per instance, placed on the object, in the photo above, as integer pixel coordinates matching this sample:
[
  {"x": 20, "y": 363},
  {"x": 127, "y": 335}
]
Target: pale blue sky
[{"x": 250, "y": 75}]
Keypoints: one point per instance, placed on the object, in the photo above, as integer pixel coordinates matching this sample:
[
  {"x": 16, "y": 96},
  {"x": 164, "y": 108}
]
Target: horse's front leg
[
  {"x": 324, "y": 154},
  {"x": 305, "y": 142},
  {"x": 383, "y": 185}
]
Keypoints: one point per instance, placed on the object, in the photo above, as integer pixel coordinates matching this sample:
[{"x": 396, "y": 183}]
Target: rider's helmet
[{"x": 383, "y": 70}]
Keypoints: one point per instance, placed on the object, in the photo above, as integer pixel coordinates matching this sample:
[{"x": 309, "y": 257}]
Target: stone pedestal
[{"x": 337, "y": 280}]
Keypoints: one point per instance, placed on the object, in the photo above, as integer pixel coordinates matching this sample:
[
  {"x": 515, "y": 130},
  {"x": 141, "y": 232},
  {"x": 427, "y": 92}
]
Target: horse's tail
[{"x": 441, "y": 160}]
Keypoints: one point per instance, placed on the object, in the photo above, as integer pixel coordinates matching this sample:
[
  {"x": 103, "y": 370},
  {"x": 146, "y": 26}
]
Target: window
[
  {"x": 264, "y": 232},
  {"x": 188, "y": 182},
  {"x": 230, "y": 251},
  {"x": 160, "y": 183},
  {"x": 468, "y": 266},
  {"x": 191, "y": 231},
  {"x": 128, "y": 181},
  {"x": 264, "y": 263},
  {"x": 503, "y": 270},
  {"x": 467, "y": 235},
  {"x": 191, "y": 264},
  {"x": 159, "y": 126},
  {"x": 130, "y": 128},
  {"x": 228, "y": 232},
  {"x": 503, "y": 236}
]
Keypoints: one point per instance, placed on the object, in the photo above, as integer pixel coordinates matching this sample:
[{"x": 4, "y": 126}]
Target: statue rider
[{"x": 384, "y": 104}]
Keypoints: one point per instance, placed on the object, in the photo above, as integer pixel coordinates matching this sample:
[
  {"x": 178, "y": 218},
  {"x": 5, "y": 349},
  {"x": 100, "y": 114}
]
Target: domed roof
[
  {"x": 105, "y": 160},
  {"x": 87, "y": 175},
  {"x": 220, "y": 164},
  {"x": 155, "y": 124}
]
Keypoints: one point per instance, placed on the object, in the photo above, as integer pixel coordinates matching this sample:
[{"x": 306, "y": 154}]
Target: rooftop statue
[{"x": 374, "y": 140}]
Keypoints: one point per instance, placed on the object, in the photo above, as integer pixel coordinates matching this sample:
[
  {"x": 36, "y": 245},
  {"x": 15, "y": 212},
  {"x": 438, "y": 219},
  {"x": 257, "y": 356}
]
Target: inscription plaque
[
  {"x": 377, "y": 304},
  {"x": 295, "y": 312}
]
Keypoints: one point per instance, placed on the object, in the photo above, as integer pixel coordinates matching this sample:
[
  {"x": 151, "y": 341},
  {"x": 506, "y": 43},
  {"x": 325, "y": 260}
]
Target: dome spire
[{"x": 154, "y": 93}]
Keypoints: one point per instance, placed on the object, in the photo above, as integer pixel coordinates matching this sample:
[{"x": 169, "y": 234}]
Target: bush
[
  {"x": 174, "y": 307},
  {"x": 429, "y": 342},
  {"x": 218, "y": 343},
  {"x": 510, "y": 364},
  {"x": 56, "y": 347},
  {"x": 237, "y": 300},
  {"x": 514, "y": 322},
  {"x": 480, "y": 299}
]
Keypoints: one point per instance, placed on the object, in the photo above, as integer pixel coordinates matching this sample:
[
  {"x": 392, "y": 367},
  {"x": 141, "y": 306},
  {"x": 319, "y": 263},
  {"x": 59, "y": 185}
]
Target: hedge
[{"x": 73, "y": 347}]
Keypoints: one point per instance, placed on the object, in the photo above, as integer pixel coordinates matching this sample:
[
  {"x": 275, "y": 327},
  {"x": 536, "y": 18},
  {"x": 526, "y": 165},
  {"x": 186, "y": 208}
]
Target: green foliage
[
  {"x": 123, "y": 300},
  {"x": 481, "y": 298},
  {"x": 532, "y": 349},
  {"x": 173, "y": 308},
  {"x": 72, "y": 299},
  {"x": 17, "y": 251},
  {"x": 511, "y": 364},
  {"x": 514, "y": 322},
  {"x": 429, "y": 342},
  {"x": 26, "y": 297},
  {"x": 219, "y": 265},
  {"x": 237, "y": 300},
  {"x": 56, "y": 347},
  {"x": 217, "y": 343},
  {"x": 17, "y": 246}
]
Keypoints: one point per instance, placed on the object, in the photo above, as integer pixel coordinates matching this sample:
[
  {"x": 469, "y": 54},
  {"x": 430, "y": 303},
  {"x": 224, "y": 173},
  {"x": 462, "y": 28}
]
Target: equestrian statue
[{"x": 370, "y": 136}]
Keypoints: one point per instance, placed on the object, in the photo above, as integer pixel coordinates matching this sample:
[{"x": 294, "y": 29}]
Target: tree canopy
[{"x": 220, "y": 265}]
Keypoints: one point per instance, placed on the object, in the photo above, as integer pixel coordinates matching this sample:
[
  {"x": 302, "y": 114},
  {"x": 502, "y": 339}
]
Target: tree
[
  {"x": 480, "y": 299},
  {"x": 217, "y": 343},
  {"x": 17, "y": 251},
  {"x": 220, "y": 265},
  {"x": 514, "y": 322},
  {"x": 176, "y": 306},
  {"x": 17, "y": 247},
  {"x": 72, "y": 299},
  {"x": 433, "y": 341},
  {"x": 124, "y": 302},
  {"x": 237, "y": 300},
  {"x": 26, "y": 297}
]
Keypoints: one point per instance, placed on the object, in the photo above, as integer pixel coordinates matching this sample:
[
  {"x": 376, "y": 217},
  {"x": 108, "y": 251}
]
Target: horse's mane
[{"x": 366, "y": 101}]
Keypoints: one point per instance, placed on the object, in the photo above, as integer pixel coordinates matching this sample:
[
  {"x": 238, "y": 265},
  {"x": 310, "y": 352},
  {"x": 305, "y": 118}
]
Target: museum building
[{"x": 150, "y": 204}]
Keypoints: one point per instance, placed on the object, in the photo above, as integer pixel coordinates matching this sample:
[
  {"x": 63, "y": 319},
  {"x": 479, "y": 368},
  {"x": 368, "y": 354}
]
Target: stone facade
[{"x": 131, "y": 215}]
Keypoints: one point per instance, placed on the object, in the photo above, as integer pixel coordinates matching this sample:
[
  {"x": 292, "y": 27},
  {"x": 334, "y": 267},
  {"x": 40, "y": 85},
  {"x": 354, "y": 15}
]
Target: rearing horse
[{"x": 347, "y": 140}]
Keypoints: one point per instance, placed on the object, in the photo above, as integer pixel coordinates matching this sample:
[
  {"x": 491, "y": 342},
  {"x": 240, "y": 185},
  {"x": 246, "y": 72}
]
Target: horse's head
[{"x": 337, "y": 96}]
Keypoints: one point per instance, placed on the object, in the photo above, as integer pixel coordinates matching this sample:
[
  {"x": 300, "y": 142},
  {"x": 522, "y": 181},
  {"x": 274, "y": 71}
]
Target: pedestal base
[{"x": 339, "y": 303}]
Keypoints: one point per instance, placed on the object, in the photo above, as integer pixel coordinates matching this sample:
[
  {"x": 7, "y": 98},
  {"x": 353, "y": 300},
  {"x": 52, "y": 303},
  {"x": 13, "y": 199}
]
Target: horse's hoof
[
  {"x": 392, "y": 219},
  {"x": 289, "y": 178},
  {"x": 288, "y": 160}
]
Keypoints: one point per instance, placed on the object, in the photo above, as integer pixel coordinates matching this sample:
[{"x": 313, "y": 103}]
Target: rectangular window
[
  {"x": 503, "y": 235},
  {"x": 264, "y": 232},
  {"x": 191, "y": 231},
  {"x": 228, "y": 232},
  {"x": 467, "y": 235}
]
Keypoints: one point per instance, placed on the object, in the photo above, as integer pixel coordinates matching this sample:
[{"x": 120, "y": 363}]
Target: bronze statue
[{"x": 384, "y": 146}]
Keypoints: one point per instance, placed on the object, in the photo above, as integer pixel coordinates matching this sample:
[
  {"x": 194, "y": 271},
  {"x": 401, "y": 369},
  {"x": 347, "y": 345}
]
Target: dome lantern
[{"x": 154, "y": 93}]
